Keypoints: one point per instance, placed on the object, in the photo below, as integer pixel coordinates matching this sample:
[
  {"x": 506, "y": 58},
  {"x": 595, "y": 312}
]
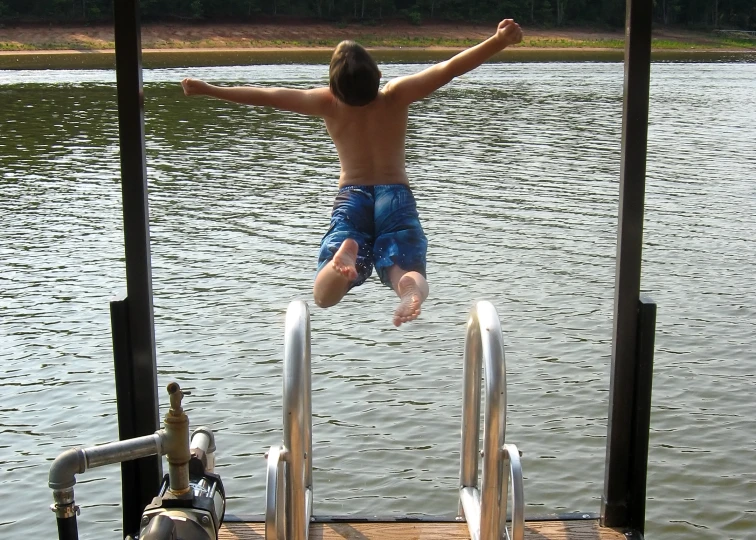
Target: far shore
[
  {"x": 172, "y": 37},
  {"x": 292, "y": 49}
]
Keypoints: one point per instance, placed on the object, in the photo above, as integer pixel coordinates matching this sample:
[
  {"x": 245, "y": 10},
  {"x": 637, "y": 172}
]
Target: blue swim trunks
[{"x": 383, "y": 220}]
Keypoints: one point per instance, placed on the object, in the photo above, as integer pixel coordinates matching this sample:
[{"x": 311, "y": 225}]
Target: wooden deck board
[{"x": 534, "y": 530}]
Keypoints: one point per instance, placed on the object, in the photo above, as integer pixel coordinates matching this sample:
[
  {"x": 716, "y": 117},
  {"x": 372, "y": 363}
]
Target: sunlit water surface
[{"x": 515, "y": 168}]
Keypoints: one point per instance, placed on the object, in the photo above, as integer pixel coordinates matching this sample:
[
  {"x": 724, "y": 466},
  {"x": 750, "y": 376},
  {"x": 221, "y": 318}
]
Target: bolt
[
  {"x": 205, "y": 520},
  {"x": 145, "y": 520}
]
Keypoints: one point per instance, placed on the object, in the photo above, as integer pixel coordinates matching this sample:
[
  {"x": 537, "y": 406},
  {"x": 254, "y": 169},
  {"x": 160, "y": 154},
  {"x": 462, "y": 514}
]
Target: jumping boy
[{"x": 374, "y": 222}]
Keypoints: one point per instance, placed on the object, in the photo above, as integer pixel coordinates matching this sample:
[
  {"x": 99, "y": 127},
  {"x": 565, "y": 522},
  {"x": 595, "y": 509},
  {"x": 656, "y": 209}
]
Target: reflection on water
[{"x": 515, "y": 169}]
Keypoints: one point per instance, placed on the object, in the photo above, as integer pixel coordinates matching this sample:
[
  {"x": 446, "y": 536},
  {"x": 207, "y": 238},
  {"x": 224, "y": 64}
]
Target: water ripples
[{"x": 515, "y": 169}]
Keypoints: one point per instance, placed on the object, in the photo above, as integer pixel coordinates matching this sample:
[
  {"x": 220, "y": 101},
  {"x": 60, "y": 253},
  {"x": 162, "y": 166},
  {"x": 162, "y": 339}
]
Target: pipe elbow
[{"x": 65, "y": 468}]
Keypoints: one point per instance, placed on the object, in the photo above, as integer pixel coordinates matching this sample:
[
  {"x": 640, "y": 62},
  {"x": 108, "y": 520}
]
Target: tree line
[{"x": 696, "y": 14}]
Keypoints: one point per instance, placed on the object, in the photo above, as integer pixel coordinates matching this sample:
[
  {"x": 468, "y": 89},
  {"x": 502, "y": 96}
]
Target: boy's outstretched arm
[
  {"x": 420, "y": 85},
  {"x": 315, "y": 102}
]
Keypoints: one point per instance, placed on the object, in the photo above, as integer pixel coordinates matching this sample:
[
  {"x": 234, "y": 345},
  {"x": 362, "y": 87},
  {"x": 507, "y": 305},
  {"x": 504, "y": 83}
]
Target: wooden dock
[{"x": 581, "y": 529}]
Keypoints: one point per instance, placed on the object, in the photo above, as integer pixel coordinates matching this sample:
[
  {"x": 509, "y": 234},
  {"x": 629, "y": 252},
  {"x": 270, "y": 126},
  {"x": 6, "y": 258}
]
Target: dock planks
[{"x": 534, "y": 530}]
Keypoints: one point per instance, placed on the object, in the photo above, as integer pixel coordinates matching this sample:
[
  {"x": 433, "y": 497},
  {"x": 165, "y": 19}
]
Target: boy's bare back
[{"x": 369, "y": 141}]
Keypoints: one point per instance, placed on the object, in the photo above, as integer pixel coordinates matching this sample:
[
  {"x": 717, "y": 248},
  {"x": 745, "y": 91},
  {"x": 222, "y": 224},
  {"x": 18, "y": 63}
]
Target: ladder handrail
[
  {"x": 297, "y": 418},
  {"x": 486, "y": 510}
]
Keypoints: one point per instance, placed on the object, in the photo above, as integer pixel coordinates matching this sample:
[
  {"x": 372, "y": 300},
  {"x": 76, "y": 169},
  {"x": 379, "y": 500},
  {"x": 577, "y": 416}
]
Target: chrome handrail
[
  {"x": 295, "y": 507},
  {"x": 485, "y": 510}
]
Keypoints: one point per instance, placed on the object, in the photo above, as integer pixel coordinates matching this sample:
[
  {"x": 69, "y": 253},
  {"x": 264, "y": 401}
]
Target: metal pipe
[
  {"x": 71, "y": 462},
  {"x": 119, "y": 451},
  {"x": 297, "y": 418},
  {"x": 66, "y": 466},
  {"x": 484, "y": 345},
  {"x": 177, "y": 447}
]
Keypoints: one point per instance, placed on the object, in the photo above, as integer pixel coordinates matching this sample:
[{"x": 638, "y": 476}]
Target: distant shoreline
[
  {"x": 184, "y": 45},
  {"x": 172, "y": 37}
]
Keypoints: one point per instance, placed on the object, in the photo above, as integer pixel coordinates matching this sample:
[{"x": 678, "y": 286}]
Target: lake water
[{"x": 516, "y": 171}]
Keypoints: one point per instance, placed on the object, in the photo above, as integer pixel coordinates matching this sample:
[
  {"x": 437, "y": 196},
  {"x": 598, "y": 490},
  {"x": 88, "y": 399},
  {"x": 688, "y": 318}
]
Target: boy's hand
[
  {"x": 508, "y": 33},
  {"x": 194, "y": 87}
]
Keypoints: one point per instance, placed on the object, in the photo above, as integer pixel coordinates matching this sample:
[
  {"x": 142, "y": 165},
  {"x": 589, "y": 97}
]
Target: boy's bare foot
[
  {"x": 410, "y": 298},
  {"x": 345, "y": 259}
]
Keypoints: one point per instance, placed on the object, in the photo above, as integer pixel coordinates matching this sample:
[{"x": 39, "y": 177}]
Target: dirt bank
[{"x": 288, "y": 35}]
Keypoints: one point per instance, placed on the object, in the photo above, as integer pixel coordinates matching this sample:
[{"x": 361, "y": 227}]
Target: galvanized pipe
[
  {"x": 66, "y": 466},
  {"x": 483, "y": 344},
  {"x": 119, "y": 451},
  {"x": 71, "y": 462},
  {"x": 297, "y": 419}
]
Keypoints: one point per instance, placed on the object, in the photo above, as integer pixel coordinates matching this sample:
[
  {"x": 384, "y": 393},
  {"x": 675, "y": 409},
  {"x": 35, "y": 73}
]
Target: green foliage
[{"x": 704, "y": 14}]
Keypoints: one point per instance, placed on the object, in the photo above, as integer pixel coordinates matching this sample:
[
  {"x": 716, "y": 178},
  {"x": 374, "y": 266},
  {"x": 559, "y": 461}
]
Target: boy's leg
[
  {"x": 334, "y": 279},
  {"x": 346, "y": 249},
  {"x": 400, "y": 248},
  {"x": 412, "y": 289}
]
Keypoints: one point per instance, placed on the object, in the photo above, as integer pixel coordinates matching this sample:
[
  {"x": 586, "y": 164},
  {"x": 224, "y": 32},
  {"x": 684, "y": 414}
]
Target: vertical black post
[
  {"x": 132, "y": 472},
  {"x": 139, "y": 388},
  {"x": 641, "y": 414},
  {"x": 619, "y": 451}
]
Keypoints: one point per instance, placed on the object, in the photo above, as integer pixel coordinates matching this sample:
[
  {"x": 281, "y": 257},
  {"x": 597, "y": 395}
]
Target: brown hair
[{"x": 354, "y": 76}]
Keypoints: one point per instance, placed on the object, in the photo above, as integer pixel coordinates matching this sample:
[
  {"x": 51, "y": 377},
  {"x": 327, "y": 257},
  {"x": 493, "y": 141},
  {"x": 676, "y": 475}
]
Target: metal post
[
  {"x": 614, "y": 505},
  {"x": 138, "y": 313}
]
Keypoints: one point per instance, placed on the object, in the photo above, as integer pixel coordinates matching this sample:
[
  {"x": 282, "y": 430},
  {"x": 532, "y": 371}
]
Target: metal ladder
[{"x": 288, "y": 499}]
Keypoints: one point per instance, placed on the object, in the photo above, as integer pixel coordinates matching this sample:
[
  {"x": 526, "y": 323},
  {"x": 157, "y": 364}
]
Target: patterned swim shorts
[{"x": 384, "y": 222}]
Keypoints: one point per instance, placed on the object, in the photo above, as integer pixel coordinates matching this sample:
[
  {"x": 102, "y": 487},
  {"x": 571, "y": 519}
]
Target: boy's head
[{"x": 354, "y": 76}]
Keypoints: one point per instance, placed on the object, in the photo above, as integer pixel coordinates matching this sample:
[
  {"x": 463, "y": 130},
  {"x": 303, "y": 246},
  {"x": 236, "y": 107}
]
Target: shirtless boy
[{"x": 374, "y": 221}]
